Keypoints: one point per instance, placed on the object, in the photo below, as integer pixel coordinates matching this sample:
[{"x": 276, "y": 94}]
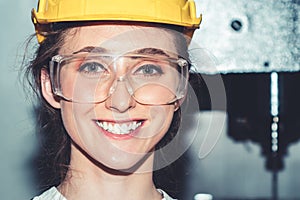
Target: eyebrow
[
  {"x": 144, "y": 51},
  {"x": 151, "y": 51},
  {"x": 92, "y": 49}
]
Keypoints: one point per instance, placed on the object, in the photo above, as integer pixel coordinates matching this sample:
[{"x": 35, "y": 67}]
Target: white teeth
[
  {"x": 105, "y": 125},
  {"x": 120, "y": 129},
  {"x": 110, "y": 126},
  {"x": 124, "y": 128}
]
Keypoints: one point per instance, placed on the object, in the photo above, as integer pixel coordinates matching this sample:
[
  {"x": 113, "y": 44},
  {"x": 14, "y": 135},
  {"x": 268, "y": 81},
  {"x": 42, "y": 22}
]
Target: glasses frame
[{"x": 55, "y": 65}]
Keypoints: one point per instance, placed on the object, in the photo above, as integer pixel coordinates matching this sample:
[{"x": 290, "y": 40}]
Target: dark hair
[
  {"x": 55, "y": 148},
  {"x": 53, "y": 157}
]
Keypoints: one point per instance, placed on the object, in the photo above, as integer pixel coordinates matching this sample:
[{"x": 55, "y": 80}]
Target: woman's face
[{"x": 120, "y": 131}]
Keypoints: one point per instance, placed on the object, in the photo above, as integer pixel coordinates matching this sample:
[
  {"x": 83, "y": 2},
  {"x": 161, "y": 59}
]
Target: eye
[
  {"x": 149, "y": 70},
  {"x": 92, "y": 68}
]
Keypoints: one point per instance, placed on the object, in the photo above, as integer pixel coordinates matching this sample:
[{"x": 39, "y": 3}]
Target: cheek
[
  {"x": 162, "y": 114},
  {"x": 69, "y": 121},
  {"x": 75, "y": 119},
  {"x": 159, "y": 123}
]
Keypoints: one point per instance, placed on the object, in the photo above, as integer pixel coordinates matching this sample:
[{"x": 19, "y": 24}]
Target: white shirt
[{"x": 54, "y": 194}]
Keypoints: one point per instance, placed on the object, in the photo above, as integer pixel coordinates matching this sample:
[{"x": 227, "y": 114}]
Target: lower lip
[{"x": 128, "y": 136}]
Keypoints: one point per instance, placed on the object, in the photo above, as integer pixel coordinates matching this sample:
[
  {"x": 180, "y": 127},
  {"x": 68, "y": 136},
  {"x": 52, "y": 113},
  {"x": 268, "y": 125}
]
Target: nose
[{"x": 120, "y": 99}]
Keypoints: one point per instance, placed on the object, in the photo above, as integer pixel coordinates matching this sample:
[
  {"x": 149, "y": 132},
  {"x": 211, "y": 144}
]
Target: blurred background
[{"x": 247, "y": 132}]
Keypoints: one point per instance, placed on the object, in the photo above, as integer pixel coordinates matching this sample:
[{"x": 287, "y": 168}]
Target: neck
[{"x": 87, "y": 179}]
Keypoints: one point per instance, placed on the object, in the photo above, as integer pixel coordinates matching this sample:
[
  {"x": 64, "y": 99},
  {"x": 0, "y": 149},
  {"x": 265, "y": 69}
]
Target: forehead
[{"x": 120, "y": 39}]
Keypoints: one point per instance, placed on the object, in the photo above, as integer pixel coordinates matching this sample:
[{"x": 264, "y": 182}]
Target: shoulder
[
  {"x": 54, "y": 194},
  {"x": 165, "y": 195},
  {"x": 50, "y": 194}
]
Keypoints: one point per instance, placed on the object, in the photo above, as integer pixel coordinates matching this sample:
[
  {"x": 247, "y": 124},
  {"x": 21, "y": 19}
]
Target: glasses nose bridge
[
  {"x": 119, "y": 80},
  {"x": 120, "y": 73}
]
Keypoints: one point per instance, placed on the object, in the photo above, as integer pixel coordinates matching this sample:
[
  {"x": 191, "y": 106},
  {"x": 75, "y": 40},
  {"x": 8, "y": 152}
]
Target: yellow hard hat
[{"x": 175, "y": 12}]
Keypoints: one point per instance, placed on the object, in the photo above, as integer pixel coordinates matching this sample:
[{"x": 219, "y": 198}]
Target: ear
[
  {"x": 178, "y": 103},
  {"x": 47, "y": 90}
]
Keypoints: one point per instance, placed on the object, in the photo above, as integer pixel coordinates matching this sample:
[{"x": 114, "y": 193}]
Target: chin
[{"x": 126, "y": 164}]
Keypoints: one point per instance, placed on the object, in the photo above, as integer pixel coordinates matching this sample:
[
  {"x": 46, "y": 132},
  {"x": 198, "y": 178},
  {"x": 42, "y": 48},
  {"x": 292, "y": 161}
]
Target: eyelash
[
  {"x": 95, "y": 71},
  {"x": 92, "y": 68},
  {"x": 156, "y": 68}
]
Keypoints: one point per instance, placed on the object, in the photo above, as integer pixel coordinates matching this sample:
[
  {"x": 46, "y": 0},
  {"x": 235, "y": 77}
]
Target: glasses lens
[
  {"x": 150, "y": 80},
  {"x": 84, "y": 79},
  {"x": 156, "y": 81}
]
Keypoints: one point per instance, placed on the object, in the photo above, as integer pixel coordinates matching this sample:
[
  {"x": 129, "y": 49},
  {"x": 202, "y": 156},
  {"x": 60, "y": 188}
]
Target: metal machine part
[{"x": 248, "y": 36}]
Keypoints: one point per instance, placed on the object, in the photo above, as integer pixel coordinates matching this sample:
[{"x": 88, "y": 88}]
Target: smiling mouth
[{"x": 125, "y": 128}]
